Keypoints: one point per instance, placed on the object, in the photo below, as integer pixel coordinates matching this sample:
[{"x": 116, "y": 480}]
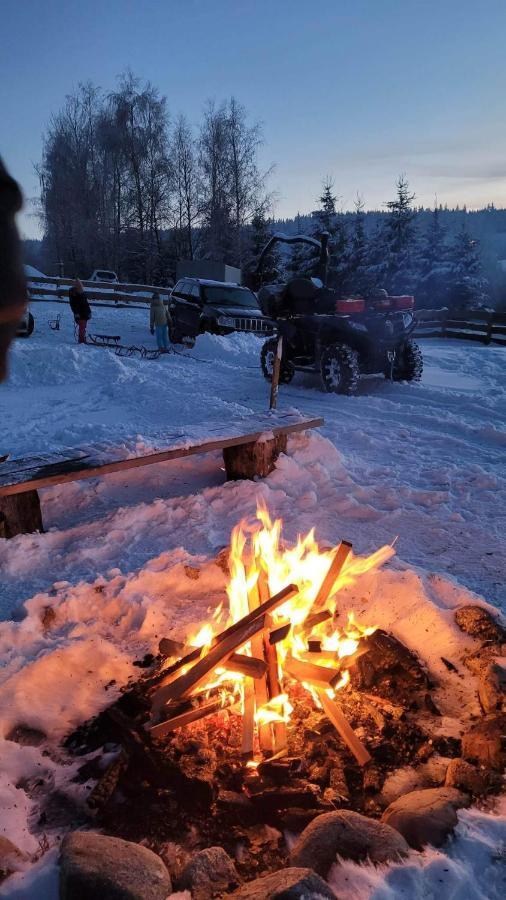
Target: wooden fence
[
  {"x": 58, "y": 288},
  {"x": 465, "y": 324}
]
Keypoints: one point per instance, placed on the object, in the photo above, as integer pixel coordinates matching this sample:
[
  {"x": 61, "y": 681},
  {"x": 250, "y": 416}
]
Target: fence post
[
  {"x": 275, "y": 374},
  {"x": 489, "y": 328}
]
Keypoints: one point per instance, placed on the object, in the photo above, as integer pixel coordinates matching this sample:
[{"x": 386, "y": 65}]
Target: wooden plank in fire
[
  {"x": 271, "y": 657},
  {"x": 271, "y": 604},
  {"x": 237, "y": 662},
  {"x": 334, "y": 712},
  {"x": 335, "y": 568},
  {"x": 223, "y": 646},
  {"x": 260, "y": 686},
  {"x": 318, "y": 676},
  {"x": 192, "y": 715}
]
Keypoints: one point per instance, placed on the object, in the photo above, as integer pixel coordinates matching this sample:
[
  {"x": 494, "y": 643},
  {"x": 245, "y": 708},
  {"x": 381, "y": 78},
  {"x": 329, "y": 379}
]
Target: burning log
[
  {"x": 271, "y": 657},
  {"x": 192, "y": 715},
  {"x": 248, "y": 719},
  {"x": 318, "y": 676},
  {"x": 261, "y": 692},
  {"x": 278, "y": 634},
  {"x": 335, "y": 568},
  {"x": 222, "y": 648},
  {"x": 312, "y": 621},
  {"x": 333, "y": 711},
  {"x": 237, "y": 662}
]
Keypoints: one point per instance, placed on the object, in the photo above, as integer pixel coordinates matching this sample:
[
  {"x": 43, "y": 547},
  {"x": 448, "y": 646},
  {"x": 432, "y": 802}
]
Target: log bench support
[
  {"x": 20, "y": 514},
  {"x": 257, "y": 458}
]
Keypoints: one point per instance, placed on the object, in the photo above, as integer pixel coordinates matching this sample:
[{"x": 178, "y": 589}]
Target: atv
[{"x": 339, "y": 337}]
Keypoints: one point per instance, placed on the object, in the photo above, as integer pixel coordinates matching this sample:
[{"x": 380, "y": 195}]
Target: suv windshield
[{"x": 230, "y": 296}]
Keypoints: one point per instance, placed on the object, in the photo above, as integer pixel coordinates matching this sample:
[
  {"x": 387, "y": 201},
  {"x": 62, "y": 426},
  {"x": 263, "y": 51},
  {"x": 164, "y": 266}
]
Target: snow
[
  {"x": 32, "y": 272},
  {"x": 419, "y": 464}
]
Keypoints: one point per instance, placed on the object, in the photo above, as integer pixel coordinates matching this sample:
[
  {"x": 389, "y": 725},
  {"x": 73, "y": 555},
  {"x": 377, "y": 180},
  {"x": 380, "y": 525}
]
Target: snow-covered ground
[{"x": 423, "y": 464}]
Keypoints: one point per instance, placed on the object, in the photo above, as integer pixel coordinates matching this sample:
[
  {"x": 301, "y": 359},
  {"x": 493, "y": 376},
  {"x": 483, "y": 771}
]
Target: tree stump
[
  {"x": 256, "y": 458},
  {"x": 20, "y": 514}
]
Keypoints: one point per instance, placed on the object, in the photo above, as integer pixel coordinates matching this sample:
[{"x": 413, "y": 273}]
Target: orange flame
[{"x": 258, "y": 551}]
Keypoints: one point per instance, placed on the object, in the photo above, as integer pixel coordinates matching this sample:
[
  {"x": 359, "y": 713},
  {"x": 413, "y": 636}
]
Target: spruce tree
[
  {"x": 358, "y": 278},
  {"x": 329, "y": 220},
  {"x": 396, "y": 263},
  {"x": 259, "y": 235},
  {"x": 435, "y": 265},
  {"x": 302, "y": 259},
  {"x": 469, "y": 288}
]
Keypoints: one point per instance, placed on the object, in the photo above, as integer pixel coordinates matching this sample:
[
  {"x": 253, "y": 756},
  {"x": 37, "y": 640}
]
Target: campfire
[
  {"x": 284, "y": 626},
  {"x": 280, "y": 708}
]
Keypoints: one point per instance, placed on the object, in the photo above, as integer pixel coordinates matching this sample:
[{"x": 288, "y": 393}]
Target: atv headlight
[
  {"x": 227, "y": 321},
  {"x": 407, "y": 319}
]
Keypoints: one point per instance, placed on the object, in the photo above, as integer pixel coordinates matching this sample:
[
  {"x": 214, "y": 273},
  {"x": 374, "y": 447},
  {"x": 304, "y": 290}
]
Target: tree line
[
  {"x": 438, "y": 266},
  {"x": 123, "y": 187}
]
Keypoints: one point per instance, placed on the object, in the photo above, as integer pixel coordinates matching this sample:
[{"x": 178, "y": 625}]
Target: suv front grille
[{"x": 253, "y": 324}]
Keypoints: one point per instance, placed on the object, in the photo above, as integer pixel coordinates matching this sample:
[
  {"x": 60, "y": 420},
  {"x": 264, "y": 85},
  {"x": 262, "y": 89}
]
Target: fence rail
[
  {"x": 46, "y": 285},
  {"x": 466, "y": 324}
]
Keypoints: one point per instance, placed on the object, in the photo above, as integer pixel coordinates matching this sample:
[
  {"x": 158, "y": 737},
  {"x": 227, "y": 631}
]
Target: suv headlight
[{"x": 227, "y": 321}]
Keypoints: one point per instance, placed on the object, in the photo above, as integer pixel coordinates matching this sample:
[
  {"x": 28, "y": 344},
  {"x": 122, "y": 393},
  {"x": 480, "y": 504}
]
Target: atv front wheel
[
  {"x": 340, "y": 370},
  {"x": 267, "y": 357},
  {"x": 408, "y": 363}
]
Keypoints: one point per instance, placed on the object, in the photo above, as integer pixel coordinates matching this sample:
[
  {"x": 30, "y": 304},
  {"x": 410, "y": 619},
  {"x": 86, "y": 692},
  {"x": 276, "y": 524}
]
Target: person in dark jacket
[
  {"x": 12, "y": 279},
  {"x": 80, "y": 307}
]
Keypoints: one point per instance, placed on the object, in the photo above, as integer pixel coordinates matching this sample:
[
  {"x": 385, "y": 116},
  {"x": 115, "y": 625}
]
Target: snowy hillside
[{"x": 421, "y": 465}]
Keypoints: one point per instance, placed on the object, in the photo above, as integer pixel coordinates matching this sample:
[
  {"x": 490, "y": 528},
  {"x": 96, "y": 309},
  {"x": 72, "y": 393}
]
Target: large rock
[
  {"x": 286, "y": 884},
  {"x": 12, "y": 859},
  {"x": 209, "y": 872},
  {"x": 466, "y": 777},
  {"x": 492, "y": 686},
  {"x": 348, "y": 834},
  {"x": 425, "y": 817},
  {"x": 485, "y": 743},
  {"x": 477, "y": 622},
  {"x": 387, "y": 658},
  {"x": 94, "y": 866}
]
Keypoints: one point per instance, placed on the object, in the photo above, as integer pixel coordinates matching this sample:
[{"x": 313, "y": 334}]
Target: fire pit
[
  {"x": 280, "y": 707},
  {"x": 284, "y": 620}
]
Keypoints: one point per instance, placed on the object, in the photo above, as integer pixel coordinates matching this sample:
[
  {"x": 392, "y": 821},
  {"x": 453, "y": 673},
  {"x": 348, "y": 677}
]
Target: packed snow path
[{"x": 423, "y": 463}]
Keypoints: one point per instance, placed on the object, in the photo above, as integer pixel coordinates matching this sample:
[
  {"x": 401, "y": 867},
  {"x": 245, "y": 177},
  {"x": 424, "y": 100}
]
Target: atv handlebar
[{"x": 321, "y": 245}]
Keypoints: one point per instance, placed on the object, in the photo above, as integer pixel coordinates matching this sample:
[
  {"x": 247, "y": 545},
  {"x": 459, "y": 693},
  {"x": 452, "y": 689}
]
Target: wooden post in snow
[{"x": 275, "y": 374}]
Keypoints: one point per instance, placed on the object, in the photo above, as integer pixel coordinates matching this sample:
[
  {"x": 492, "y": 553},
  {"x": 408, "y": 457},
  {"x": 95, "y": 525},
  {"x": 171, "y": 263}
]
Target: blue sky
[{"x": 361, "y": 90}]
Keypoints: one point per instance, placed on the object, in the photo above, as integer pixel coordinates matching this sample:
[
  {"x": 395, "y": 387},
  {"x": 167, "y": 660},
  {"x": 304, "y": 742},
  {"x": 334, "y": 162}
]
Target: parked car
[
  {"x": 104, "y": 275},
  {"x": 26, "y": 325},
  {"x": 197, "y": 305}
]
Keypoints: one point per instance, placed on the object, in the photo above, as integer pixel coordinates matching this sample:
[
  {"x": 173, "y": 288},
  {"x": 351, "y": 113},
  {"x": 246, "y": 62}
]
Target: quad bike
[{"x": 341, "y": 338}]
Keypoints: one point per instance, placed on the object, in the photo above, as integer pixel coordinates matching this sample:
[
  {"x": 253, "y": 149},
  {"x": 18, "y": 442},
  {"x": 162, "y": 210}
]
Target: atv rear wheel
[
  {"x": 340, "y": 370},
  {"x": 267, "y": 357},
  {"x": 408, "y": 363}
]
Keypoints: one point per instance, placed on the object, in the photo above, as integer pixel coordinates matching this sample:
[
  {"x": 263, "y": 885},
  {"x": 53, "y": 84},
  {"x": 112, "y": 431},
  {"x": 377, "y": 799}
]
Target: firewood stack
[{"x": 183, "y": 695}]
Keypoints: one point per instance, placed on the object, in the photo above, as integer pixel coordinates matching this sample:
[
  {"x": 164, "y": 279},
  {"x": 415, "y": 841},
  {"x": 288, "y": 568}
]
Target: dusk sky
[{"x": 361, "y": 90}]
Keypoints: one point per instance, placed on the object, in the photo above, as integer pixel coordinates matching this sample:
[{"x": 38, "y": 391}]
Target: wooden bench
[{"x": 250, "y": 448}]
